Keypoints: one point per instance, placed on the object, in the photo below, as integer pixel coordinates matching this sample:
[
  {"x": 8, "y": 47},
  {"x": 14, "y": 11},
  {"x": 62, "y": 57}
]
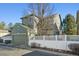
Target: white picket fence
[{"x": 57, "y": 41}]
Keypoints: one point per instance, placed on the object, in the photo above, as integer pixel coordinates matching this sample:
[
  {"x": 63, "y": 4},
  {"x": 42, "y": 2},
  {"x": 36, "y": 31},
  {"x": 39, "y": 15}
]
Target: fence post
[
  {"x": 34, "y": 37},
  {"x": 66, "y": 41},
  {"x": 43, "y": 37},
  {"x": 56, "y": 37},
  {"x": 65, "y": 37}
]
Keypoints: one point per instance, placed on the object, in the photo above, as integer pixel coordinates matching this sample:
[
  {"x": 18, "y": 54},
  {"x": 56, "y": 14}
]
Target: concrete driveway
[{"x": 9, "y": 51}]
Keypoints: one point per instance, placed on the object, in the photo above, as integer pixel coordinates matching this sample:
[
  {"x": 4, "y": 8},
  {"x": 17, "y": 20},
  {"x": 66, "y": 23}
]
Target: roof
[
  {"x": 24, "y": 26},
  {"x": 6, "y": 35},
  {"x": 3, "y": 31},
  {"x": 19, "y": 24},
  {"x": 26, "y": 16}
]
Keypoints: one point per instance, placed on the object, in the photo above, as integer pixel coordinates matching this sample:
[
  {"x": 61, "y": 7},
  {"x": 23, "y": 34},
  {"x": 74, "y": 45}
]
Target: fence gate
[{"x": 20, "y": 40}]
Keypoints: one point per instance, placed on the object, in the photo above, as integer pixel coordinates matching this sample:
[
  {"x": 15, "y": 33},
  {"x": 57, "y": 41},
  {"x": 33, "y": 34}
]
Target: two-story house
[{"x": 33, "y": 25}]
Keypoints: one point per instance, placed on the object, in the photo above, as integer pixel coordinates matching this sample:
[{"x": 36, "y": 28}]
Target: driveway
[{"x": 10, "y": 51}]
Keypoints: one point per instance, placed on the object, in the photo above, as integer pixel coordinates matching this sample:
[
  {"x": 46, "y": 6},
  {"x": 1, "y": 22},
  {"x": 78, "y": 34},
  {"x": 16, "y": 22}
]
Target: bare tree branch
[{"x": 41, "y": 9}]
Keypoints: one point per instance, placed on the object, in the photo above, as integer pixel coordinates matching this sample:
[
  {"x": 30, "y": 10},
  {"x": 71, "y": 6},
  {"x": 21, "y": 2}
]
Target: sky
[{"x": 12, "y": 12}]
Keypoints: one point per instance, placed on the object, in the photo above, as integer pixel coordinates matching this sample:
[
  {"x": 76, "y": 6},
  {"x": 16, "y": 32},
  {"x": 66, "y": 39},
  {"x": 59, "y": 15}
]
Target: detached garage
[{"x": 20, "y": 36}]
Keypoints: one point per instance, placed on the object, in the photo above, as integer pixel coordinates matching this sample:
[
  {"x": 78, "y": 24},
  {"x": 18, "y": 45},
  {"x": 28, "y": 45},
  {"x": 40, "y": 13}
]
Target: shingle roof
[{"x": 26, "y": 16}]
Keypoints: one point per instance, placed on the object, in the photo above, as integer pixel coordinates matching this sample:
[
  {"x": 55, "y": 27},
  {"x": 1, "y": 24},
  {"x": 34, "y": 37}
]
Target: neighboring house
[
  {"x": 4, "y": 32},
  {"x": 6, "y": 37}
]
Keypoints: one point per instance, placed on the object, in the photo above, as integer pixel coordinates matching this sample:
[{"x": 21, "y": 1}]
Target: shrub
[
  {"x": 7, "y": 41},
  {"x": 1, "y": 40},
  {"x": 33, "y": 45},
  {"x": 74, "y": 47}
]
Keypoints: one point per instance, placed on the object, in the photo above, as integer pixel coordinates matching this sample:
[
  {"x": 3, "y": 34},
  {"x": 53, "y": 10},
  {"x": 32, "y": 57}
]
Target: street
[{"x": 39, "y": 53}]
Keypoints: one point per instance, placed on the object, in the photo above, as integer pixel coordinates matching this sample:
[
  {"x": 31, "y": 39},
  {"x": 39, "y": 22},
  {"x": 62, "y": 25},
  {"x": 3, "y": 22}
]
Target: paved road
[
  {"x": 39, "y": 53},
  {"x": 42, "y": 52}
]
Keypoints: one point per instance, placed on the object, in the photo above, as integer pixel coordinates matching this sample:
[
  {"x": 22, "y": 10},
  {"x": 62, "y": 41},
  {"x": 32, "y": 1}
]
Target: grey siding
[
  {"x": 28, "y": 21},
  {"x": 20, "y": 41},
  {"x": 20, "y": 37}
]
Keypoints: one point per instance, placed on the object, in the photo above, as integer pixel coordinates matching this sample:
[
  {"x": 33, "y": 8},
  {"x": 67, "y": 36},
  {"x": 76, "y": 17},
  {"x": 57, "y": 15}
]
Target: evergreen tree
[
  {"x": 77, "y": 22},
  {"x": 10, "y": 25},
  {"x": 69, "y": 25},
  {"x": 2, "y": 25}
]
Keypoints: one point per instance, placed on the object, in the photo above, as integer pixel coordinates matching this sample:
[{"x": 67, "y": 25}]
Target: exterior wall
[
  {"x": 57, "y": 20},
  {"x": 28, "y": 22},
  {"x": 20, "y": 36},
  {"x": 36, "y": 20},
  {"x": 6, "y": 38},
  {"x": 50, "y": 25},
  {"x": 20, "y": 40},
  {"x": 31, "y": 22}
]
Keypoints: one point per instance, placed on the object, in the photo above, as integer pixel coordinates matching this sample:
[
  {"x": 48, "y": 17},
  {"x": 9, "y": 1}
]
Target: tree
[
  {"x": 77, "y": 22},
  {"x": 69, "y": 25},
  {"x": 10, "y": 25},
  {"x": 41, "y": 9},
  {"x": 2, "y": 25}
]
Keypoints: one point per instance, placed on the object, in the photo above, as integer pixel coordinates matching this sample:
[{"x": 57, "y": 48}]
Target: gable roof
[{"x": 26, "y": 16}]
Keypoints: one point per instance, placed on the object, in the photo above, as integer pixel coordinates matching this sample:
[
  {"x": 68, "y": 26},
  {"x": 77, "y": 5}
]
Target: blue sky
[{"x": 13, "y": 12}]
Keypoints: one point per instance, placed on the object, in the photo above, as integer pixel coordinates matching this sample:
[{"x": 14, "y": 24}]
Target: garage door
[{"x": 20, "y": 40}]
